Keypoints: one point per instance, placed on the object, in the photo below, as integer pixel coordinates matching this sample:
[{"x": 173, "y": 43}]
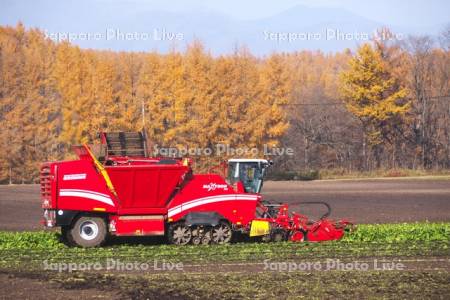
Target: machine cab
[{"x": 250, "y": 172}]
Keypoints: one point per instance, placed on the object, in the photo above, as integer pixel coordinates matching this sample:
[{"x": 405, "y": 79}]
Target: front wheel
[{"x": 87, "y": 232}]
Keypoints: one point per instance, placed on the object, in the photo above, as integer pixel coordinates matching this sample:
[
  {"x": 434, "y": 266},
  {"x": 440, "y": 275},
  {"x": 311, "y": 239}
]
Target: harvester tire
[
  {"x": 66, "y": 237},
  {"x": 87, "y": 231}
]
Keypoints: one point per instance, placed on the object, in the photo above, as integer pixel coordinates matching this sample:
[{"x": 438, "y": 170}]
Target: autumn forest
[{"x": 383, "y": 105}]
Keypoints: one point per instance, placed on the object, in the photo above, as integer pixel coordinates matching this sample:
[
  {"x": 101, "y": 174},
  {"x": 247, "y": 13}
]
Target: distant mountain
[{"x": 121, "y": 26}]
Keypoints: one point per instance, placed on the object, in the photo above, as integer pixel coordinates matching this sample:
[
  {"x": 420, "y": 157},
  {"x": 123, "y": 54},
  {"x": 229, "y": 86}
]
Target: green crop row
[
  {"x": 403, "y": 232},
  {"x": 44, "y": 240},
  {"x": 416, "y": 239},
  {"x": 376, "y": 233}
]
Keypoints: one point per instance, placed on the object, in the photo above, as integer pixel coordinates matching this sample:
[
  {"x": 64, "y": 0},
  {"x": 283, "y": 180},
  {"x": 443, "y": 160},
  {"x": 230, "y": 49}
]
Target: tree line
[{"x": 381, "y": 106}]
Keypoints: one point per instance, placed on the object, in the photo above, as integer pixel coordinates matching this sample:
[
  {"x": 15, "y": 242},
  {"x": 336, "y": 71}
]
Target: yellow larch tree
[
  {"x": 71, "y": 73},
  {"x": 152, "y": 93},
  {"x": 200, "y": 128},
  {"x": 268, "y": 112},
  {"x": 12, "y": 97},
  {"x": 236, "y": 83},
  {"x": 125, "y": 85},
  {"x": 372, "y": 94},
  {"x": 28, "y": 107}
]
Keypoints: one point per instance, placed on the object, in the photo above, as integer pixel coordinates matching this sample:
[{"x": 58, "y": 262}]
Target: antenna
[{"x": 143, "y": 114}]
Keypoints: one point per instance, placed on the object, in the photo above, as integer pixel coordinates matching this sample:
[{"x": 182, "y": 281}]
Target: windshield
[{"x": 249, "y": 173}]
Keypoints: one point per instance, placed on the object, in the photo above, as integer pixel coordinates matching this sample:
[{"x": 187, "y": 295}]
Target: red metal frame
[
  {"x": 300, "y": 228},
  {"x": 149, "y": 194}
]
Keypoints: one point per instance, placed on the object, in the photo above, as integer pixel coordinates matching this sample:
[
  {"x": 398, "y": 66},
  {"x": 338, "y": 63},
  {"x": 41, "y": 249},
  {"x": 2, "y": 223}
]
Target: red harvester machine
[{"x": 124, "y": 192}]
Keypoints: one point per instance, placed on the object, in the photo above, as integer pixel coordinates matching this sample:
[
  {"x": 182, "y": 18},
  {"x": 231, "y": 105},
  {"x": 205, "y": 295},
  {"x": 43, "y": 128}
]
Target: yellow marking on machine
[
  {"x": 102, "y": 170},
  {"x": 259, "y": 228},
  {"x": 99, "y": 209}
]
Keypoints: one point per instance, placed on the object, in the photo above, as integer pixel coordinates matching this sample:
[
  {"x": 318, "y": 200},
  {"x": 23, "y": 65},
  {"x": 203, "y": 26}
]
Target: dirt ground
[
  {"x": 362, "y": 201},
  {"x": 369, "y": 201},
  {"x": 406, "y": 284},
  {"x": 36, "y": 288}
]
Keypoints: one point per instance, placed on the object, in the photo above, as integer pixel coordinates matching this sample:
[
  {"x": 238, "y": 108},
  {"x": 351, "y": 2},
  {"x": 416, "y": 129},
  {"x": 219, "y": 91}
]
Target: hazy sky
[
  {"x": 409, "y": 13},
  {"x": 220, "y": 24}
]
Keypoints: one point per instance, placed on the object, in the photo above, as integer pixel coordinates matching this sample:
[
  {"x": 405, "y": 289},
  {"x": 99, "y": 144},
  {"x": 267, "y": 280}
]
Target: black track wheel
[
  {"x": 179, "y": 234},
  {"x": 221, "y": 233}
]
